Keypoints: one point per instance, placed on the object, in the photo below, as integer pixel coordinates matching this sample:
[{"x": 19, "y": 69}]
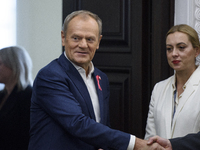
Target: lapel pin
[{"x": 98, "y": 78}]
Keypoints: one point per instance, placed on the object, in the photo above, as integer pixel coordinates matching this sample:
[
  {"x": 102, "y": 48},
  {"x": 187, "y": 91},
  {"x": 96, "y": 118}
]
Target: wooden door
[{"x": 131, "y": 53}]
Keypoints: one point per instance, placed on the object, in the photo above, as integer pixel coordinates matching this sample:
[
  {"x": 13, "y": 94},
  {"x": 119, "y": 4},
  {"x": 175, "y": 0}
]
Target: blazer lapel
[
  {"x": 192, "y": 86},
  {"x": 167, "y": 108},
  {"x": 97, "y": 80},
  {"x": 78, "y": 82},
  {"x": 187, "y": 93}
]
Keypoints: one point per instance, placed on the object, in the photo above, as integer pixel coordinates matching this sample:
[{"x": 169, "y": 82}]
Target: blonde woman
[{"x": 174, "y": 108}]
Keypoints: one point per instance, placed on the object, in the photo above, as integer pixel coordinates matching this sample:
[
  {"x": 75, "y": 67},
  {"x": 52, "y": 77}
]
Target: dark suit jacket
[
  {"x": 15, "y": 120},
  {"x": 189, "y": 142},
  {"x": 62, "y": 116}
]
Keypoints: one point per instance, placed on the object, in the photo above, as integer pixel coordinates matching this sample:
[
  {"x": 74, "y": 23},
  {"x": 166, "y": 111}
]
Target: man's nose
[{"x": 83, "y": 43}]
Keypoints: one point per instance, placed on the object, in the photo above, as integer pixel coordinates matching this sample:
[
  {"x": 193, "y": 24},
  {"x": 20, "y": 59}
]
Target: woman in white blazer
[{"x": 174, "y": 108}]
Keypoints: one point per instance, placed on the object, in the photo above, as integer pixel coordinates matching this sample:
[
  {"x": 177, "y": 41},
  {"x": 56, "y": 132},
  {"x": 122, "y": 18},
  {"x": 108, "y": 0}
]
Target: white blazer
[{"x": 187, "y": 117}]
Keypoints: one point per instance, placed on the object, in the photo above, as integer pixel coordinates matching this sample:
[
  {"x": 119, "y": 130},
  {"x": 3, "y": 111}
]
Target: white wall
[
  {"x": 39, "y": 24},
  {"x": 188, "y": 12},
  {"x": 184, "y": 12}
]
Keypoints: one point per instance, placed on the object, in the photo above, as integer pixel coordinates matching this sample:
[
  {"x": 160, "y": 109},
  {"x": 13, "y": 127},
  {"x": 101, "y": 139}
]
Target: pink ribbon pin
[{"x": 98, "y": 78}]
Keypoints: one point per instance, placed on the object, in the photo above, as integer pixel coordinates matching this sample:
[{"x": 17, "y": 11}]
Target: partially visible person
[
  {"x": 175, "y": 102},
  {"x": 15, "y": 73},
  {"x": 188, "y": 142}
]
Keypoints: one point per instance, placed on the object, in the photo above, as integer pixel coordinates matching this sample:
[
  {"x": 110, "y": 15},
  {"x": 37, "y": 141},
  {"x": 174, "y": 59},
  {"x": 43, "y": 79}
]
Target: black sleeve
[{"x": 188, "y": 142}]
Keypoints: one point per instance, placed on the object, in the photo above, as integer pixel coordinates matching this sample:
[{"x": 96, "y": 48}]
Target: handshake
[{"x": 154, "y": 143}]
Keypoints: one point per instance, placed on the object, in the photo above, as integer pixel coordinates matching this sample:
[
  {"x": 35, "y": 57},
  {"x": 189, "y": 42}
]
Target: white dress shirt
[{"x": 89, "y": 82}]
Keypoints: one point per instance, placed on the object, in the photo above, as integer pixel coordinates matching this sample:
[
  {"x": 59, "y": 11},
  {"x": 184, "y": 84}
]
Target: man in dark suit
[
  {"x": 188, "y": 142},
  {"x": 69, "y": 105}
]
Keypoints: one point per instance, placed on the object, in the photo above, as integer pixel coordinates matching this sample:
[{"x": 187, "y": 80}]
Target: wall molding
[{"x": 188, "y": 12}]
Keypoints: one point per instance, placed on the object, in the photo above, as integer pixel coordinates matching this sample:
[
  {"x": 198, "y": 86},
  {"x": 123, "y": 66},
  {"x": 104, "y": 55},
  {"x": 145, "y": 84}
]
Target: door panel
[{"x": 131, "y": 53}]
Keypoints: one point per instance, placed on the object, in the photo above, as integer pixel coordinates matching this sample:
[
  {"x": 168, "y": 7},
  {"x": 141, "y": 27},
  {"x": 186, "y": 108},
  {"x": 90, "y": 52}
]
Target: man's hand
[
  {"x": 142, "y": 145},
  {"x": 163, "y": 142}
]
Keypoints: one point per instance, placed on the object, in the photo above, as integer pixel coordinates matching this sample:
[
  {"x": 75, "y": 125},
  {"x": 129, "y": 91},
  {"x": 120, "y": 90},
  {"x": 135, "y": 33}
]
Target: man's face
[{"x": 81, "y": 41}]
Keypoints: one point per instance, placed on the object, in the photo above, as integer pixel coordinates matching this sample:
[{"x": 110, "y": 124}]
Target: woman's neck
[{"x": 181, "y": 78}]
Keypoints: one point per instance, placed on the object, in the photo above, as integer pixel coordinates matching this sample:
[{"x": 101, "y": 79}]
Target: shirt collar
[{"x": 185, "y": 85}]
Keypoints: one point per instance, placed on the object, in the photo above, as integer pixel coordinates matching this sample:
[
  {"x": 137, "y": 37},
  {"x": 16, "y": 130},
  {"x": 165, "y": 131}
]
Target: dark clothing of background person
[
  {"x": 189, "y": 142},
  {"x": 15, "y": 120}
]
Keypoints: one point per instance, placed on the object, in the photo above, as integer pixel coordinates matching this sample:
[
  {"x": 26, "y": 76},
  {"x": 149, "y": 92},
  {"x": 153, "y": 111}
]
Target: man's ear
[
  {"x": 63, "y": 38},
  {"x": 100, "y": 37}
]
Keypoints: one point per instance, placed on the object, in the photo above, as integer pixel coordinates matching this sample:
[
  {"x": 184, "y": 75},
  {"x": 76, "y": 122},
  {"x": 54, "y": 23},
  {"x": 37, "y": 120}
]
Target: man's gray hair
[
  {"x": 18, "y": 60},
  {"x": 83, "y": 13}
]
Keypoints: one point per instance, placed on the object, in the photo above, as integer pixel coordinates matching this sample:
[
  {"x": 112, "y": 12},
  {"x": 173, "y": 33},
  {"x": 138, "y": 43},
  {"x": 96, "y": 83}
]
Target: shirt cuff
[{"x": 131, "y": 143}]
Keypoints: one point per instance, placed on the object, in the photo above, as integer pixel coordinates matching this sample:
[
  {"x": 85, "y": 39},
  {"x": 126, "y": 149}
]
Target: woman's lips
[{"x": 175, "y": 61}]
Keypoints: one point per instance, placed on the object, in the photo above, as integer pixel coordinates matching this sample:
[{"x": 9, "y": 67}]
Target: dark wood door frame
[{"x": 132, "y": 54}]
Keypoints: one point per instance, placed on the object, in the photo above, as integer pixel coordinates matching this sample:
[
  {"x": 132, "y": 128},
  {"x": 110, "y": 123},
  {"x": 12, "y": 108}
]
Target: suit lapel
[
  {"x": 99, "y": 92},
  {"x": 167, "y": 108},
  {"x": 78, "y": 82},
  {"x": 187, "y": 93},
  {"x": 192, "y": 86}
]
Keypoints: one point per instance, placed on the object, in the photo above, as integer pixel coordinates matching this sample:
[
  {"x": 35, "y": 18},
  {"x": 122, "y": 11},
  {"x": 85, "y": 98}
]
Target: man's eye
[
  {"x": 90, "y": 39},
  {"x": 75, "y": 38}
]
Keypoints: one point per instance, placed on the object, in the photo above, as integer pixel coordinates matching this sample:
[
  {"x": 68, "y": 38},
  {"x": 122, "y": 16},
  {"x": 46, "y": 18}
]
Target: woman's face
[
  {"x": 5, "y": 73},
  {"x": 180, "y": 52}
]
